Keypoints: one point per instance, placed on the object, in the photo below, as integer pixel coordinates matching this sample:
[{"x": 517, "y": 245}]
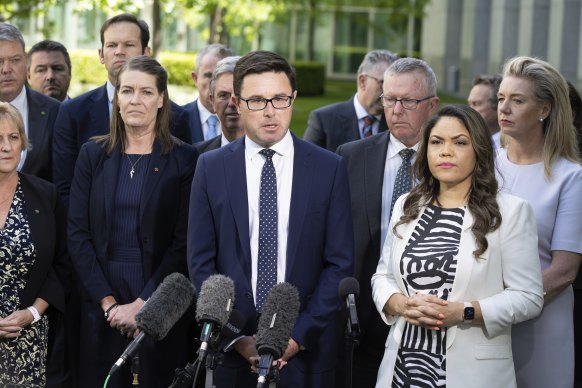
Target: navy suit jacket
[
  {"x": 333, "y": 125},
  {"x": 365, "y": 160},
  {"x": 194, "y": 121},
  {"x": 50, "y": 274},
  {"x": 86, "y": 116},
  {"x": 320, "y": 241},
  {"x": 42, "y": 113},
  {"x": 163, "y": 215}
]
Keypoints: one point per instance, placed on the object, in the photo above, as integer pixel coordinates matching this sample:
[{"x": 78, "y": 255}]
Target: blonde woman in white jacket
[{"x": 459, "y": 266}]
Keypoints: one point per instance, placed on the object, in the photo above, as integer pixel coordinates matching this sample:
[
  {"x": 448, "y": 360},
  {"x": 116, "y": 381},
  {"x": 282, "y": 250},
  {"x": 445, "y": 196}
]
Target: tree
[{"x": 12, "y": 10}]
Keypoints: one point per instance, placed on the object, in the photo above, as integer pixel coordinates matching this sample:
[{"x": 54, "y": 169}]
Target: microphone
[
  {"x": 213, "y": 309},
  {"x": 230, "y": 334},
  {"x": 168, "y": 303},
  {"x": 349, "y": 290},
  {"x": 277, "y": 320}
]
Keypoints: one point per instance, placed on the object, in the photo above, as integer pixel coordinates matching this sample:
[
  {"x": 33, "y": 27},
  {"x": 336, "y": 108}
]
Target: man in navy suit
[
  {"x": 312, "y": 236},
  {"x": 359, "y": 117},
  {"x": 122, "y": 37},
  {"x": 38, "y": 111},
  {"x": 200, "y": 111},
  {"x": 410, "y": 89},
  {"x": 223, "y": 103}
]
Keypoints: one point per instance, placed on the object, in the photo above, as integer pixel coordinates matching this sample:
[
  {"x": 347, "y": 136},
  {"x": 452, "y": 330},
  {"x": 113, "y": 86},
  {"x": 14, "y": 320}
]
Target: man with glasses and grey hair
[
  {"x": 223, "y": 103},
  {"x": 359, "y": 117},
  {"x": 379, "y": 171}
]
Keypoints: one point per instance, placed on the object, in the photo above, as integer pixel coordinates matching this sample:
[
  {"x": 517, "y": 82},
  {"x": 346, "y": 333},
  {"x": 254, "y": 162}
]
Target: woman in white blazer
[{"x": 459, "y": 266}]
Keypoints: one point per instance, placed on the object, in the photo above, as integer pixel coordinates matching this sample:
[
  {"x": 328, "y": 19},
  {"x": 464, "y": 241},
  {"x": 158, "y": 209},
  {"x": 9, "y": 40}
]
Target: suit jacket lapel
[
  {"x": 300, "y": 192},
  {"x": 236, "y": 187},
  {"x": 154, "y": 173},
  {"x": 100, "y": 112},
  {"x": 110, "y": 171},
  {"x": 349, "y": 119},
  {"x": 375, "y": 159}
]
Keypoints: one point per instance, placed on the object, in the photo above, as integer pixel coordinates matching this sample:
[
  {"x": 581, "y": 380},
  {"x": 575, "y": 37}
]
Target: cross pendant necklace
[{"x": 132, "y": 171}]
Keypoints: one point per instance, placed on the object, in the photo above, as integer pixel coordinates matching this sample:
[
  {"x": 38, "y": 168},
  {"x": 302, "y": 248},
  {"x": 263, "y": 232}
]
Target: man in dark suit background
[
  {"x": 359, "y": 117},
  {"x": 203, "y": 121},
  {"x": 309, "y": 221},
  {"x": 37, "y": 110},
  {"x": 410, "y": 98},
  {"x": 223, "y": 103},
  {"x": 122, "y": 37}
]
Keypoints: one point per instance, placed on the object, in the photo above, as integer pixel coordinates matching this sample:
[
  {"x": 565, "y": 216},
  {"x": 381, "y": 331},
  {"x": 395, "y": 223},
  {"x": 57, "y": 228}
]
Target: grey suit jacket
[
  {"x": 209, "y": 145},
  {"x": 333, "y": 125},
  {"x": 42, "y": 113}
]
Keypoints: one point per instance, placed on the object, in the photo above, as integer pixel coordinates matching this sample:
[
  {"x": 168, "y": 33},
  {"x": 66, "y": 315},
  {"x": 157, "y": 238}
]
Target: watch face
[{"x": 469, "y": 313}]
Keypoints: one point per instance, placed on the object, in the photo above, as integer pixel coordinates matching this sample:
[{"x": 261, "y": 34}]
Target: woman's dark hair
[
  {"x": 117, "y": 134},
  {"x": 481, "y": 201}
]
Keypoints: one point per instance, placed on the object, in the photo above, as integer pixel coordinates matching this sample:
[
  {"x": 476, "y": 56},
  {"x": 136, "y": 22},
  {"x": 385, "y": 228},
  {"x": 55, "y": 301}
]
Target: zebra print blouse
[{"x": 428, "y": 265}]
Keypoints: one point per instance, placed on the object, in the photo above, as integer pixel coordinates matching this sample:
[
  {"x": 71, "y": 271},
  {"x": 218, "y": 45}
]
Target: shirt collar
[
  {"x": 361, "y": 112},
  {"x": 283, "y": 147},
  {"x": 204, "y": 113},
  {"x": 20, "y": 101},
  {"x": 110, "y": 92},
  {"x": 395, "y": 146}
]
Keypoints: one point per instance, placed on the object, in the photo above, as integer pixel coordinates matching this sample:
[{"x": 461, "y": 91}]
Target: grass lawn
[{"x": 336, "y": 91}]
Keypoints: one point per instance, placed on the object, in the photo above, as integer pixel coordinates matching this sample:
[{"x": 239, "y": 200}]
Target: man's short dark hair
[
  {"x": 257, "y": 62},
  {"x": 50, "y": 45},
  {"x": 144, "y": 30},
  {"x": 491, "y": 80}
]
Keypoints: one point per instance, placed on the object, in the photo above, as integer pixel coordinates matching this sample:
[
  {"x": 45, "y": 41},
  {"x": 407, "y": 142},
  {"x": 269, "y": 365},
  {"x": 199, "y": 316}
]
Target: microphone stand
[
  {"x": 352, "y": 340},
  {"x": 135, "y": 370}
]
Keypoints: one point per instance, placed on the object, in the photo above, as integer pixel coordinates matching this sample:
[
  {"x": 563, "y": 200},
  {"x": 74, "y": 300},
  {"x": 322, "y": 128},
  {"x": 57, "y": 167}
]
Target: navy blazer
[
  {"x": 50, "y": 274},
  {"x": 42, "y": 113},
  {"x": 333, "y": 125},
  {"x": 319, "y": 250},
  {"x": 194, "y": 121},
  {"x": 86, "y": 116},
  {"x": 365, "y": 160},
  {"x": 163, "y": 215}
]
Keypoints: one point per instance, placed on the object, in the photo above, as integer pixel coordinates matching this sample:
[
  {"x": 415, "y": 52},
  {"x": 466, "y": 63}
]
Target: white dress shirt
[
  {"x": 110, "y": 95},
  {"x": 21, "y": 104},
  {"x": 204, "y": 115},
  {"x": 283, "y": 162},
  {"x": 393, "y": 163}
]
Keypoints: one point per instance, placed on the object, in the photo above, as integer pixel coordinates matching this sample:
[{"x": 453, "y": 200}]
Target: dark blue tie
[
  {"x": 403, "y": 181},
  {"x": 267, "y": 263}
]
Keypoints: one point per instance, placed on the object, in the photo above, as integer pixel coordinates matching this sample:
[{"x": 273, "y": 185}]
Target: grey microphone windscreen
[
  {"x": 166, "y": 305},
  {"x": 348, "y": 286},
  {"x": 277, "y": 320},
  {"x": 216, "y": 300}
]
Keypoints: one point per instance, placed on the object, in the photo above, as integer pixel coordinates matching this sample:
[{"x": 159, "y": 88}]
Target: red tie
[{"x": 368, "y": 123}]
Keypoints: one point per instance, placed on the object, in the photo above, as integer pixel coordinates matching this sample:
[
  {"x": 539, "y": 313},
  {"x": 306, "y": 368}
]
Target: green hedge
[
  {"x": 310, "y": 78},
  {"x": 88, "y": 69}
]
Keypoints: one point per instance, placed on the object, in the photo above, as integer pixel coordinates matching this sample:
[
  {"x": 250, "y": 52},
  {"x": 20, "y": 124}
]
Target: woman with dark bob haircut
[
  {"x": 127, "y": 228},
  {"x": 459, "y": 266}
]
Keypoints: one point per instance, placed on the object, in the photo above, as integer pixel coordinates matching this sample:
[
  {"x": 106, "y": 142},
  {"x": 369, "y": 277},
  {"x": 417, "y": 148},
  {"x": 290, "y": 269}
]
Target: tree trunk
[
  {"x": 157, "y": 27},
  {"x": 311, "y": 30}
]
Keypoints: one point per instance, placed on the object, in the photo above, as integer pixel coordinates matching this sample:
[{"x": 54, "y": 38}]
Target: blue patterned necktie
[
  {"x": 212, "y": 120},
  {"x": 268, "y": 239},
  {"x": 403, "y": 181},
  {"x": 368, "y": 124}
]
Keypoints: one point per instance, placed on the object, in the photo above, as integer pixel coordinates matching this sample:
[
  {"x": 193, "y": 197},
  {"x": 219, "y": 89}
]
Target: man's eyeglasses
[
  {"x": 407, "y": 103},
  {"x": 380, "y": 81},
  {"x": 281, "y": 102}
]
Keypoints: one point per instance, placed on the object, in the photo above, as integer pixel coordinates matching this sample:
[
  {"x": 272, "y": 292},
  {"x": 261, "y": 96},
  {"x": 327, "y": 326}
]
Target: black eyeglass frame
[
  {"x": 405, "y": 102},
  {"x": 266, "y": 101}
]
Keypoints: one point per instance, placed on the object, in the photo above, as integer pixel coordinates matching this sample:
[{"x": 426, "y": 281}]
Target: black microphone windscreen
[
  {"x": 234, "y": 326},
  {"x": 166, "y": 305},
  {"x": 277, "y": 320},
  {"x": 216, "y": 300},
  {"x": 348, "y": 286}
]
